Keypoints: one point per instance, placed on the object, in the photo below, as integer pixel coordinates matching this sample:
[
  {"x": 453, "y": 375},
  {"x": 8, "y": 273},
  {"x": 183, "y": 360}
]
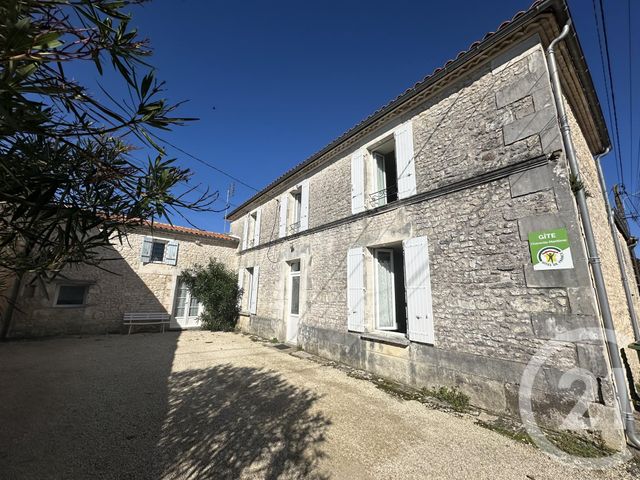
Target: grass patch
[
  {"x": 274, "y": 340},
  {"x": 579, "y": 446},
  {"x": 512, "y": 431},
  {"x": 568, "y": 442},
  {"x": 458, "y": 400}
]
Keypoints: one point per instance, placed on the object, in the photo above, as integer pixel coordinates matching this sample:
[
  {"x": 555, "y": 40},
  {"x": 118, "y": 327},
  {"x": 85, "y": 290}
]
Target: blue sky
[{"x": 273, "y": 82}]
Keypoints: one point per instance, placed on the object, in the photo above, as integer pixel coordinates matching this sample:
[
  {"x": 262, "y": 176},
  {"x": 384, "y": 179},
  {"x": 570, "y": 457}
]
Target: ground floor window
[
  {"x": 71, "y": 295},
  {"x": 391, "y": 312}
]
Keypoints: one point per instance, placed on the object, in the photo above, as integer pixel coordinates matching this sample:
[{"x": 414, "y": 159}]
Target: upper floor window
[
  {"x": 385, "y": 172},
  {"x": 294, "y": 210},
  {"x": 157, "y": 250},
  {"x": 251, "y": 232},
  {"x": 391, "y": 166}
]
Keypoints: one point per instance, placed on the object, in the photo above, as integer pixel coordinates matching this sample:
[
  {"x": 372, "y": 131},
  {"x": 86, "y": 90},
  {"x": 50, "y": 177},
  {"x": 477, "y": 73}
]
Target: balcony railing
[
  {"x": 384, "y": 196},
  {"x": 294, "y": 228}
]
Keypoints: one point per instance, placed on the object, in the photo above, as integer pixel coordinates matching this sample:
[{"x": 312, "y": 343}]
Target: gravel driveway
[{"x": 213, "y": 405}]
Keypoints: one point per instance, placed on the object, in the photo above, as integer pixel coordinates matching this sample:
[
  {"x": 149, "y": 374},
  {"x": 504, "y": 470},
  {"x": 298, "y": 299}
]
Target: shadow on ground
[
  {"x": 229, "y": 422},
  {"x": 115, "y": 408}
]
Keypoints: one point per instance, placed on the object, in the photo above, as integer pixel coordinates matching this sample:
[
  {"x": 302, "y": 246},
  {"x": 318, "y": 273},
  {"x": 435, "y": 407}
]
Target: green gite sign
[{"x": 550, "y": 249}]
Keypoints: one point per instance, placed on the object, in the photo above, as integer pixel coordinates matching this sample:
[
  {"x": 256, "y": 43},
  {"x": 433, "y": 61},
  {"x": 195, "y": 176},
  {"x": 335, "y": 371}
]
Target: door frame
[
  {"x": 190, "y": 320},
  {"x": 293, "y": 318}
]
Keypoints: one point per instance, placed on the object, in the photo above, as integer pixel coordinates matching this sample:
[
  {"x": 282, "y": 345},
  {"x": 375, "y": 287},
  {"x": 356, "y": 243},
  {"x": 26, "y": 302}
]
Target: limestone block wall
[
  {"x": 489, "y": 170},
  {"x": 606, "y": 247},
  {"x": 132, "y": 287}
]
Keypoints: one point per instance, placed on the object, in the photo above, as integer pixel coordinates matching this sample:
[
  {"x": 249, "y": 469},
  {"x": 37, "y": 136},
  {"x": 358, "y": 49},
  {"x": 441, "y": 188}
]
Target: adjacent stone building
[
  {"x": 403, "y": 246},
  {"x": 146, "y": 265}
]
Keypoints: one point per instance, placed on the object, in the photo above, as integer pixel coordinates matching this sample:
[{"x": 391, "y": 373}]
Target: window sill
[{"x": 397, "y": 339}]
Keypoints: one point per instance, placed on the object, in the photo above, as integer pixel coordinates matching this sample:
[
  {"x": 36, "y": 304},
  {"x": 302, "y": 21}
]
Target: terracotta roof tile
[{"x": 191, "y": 231}]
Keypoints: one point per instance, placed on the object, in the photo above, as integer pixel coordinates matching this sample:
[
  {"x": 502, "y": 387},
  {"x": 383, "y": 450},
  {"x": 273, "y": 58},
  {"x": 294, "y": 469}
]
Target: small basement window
[
  {"x": 69, "y": 295},
  {"x": 385, "y": 174}
]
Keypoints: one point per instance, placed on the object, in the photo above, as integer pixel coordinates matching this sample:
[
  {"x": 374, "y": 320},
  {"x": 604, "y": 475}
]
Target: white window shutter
[
  {"x": 171, "y": 253},
  {"x": 357, "y": 182},
  {"x": 282, "y": 227},
  {"x": 418, "y": 288},
  {"x": 304, "y": 205},
  {"x": 240, "y": 286},
  {"x": 355, "y": 289},
  {"x": 245, "y": 232},
  {"x": 405, "y": 160},
  {"x": 253, "y": 301},
  {"x": 256, "y": 228},
  {"x": 147, "y": 245}
]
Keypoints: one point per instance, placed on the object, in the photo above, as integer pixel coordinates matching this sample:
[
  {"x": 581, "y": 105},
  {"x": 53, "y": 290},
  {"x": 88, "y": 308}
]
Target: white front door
[
  {"x": 293, "y": 310},
  {"x": 187, "y": 308}
]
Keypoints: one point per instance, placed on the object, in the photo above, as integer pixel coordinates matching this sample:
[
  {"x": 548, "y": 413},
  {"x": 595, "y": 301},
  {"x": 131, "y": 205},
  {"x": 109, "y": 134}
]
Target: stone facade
[
  {"x": 133, "y": 286},
  {"x": 490, "y": 168}
]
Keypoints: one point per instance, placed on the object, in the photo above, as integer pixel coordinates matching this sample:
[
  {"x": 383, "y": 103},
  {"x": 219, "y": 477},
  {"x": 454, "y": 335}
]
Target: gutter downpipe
[
  {"x": 616, "y": 241},
  {"x": 620, "y": 381}
]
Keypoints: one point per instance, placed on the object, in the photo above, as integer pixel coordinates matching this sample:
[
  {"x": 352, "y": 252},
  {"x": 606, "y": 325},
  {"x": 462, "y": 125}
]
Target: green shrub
[{"x": 216, "y": 287}]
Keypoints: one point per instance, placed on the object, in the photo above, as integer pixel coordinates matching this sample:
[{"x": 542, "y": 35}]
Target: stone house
[
  {"x": 87, "y": 300},
  {"x": 402, "y": 247}
]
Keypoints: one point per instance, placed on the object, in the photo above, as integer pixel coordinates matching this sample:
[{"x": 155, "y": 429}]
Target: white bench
[{"x": 147, "y": 318}]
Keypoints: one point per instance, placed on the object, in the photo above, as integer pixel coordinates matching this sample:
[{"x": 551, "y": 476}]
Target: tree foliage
[
  {"x": 72, "y": 173},
  {"x": 216, "y": 287}
]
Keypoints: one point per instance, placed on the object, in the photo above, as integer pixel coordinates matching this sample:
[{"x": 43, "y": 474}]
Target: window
[
  {"x": 296, "y": 210},
  {"x": 157, "y": 250},
  {"x": 295, "y": 287},
  {"x": 385, "y": 173},
  {"x": 390, "y": 290},
  {"x": 70, "y": 295},
  {"x": 389, "y": 164},
  {"x": 251, "y": 233}
]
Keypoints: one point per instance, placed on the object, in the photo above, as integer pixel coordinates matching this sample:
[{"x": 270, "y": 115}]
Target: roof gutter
[{"x": 620, "y": 381}]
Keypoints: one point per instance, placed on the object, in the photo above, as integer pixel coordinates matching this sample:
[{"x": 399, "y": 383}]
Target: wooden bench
[{"x": 147, "y": 318}]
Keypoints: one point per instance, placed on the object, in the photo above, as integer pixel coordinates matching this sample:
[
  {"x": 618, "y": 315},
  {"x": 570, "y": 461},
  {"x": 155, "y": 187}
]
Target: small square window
[
  {"x": 157, "y": 251},
  {"x": 71, "y": 295}
]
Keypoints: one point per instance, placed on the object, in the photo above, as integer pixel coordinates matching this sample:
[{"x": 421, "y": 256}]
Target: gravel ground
[{"x": 213, "y": 405}]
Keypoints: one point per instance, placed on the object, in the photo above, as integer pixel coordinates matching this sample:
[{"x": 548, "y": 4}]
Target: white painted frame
[
  {"x": 187, "y": 308},
  {"x": 393, "y": 289},
  {"x": 293, "y": 317}
]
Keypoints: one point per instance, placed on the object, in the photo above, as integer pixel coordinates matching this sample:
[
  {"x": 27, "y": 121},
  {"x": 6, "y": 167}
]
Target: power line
[
  {"x": 204, "y": 162},
  {"x": 611, "y": 90}
]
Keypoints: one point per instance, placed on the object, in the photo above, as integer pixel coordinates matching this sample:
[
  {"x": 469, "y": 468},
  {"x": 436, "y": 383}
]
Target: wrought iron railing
[
  {"x": 294, "y": 228},
  {"x": 384, "y": 196}
]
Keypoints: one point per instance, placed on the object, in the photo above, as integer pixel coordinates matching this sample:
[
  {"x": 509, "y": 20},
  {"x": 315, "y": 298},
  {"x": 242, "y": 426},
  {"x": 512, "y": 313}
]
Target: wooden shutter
[
  {"x": 304, "y": 205},
  {"x": 418, "y": 287},
  {"x": 245, "y": 232},
  {"x": 282, "y": 227},
  {"x": 357, "y": 182},
  {"x": 355, "y": 289},
  {"x": 253, "y": 301},
  {"x": 171, "y": 252},
  {"x": 405, "y": 160},
  {"x": 240, "y": 286},
  {"x": 256, "y": 228},
  {"x": 147, "y": 245}
]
